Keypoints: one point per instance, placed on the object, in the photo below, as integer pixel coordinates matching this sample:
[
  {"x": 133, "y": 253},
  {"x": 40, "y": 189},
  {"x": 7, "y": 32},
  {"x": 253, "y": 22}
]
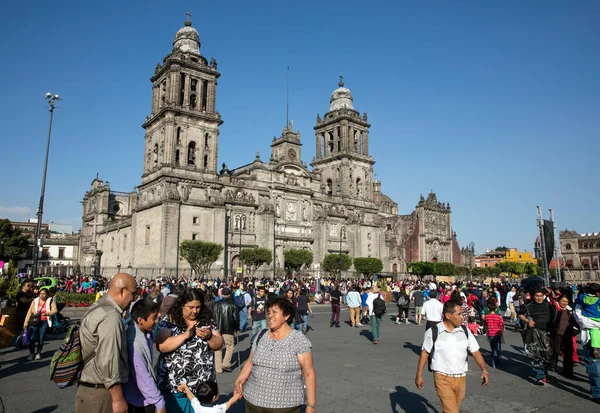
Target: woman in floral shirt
[{"x": 186, "y": 342}]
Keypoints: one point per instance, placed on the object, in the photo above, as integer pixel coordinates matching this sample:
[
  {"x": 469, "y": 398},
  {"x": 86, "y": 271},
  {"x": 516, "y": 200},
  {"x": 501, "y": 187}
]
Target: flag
[{"x": 549, "y": 240}]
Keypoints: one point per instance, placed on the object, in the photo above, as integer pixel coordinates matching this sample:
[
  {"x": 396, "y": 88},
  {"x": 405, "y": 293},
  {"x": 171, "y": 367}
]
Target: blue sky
[{"x": 493, "y": 105}]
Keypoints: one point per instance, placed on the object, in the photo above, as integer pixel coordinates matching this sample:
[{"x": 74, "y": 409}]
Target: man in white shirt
[
  {"x": 375, "y": 320},
  {"x": 432, "y": 310},
  {"x": 511, "y": 305},
  {"x": 448, "y": 349}
]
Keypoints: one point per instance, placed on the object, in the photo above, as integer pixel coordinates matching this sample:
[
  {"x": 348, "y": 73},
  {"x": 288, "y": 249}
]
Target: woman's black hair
[
  {"x": 286, "y": 307},
  {"x": 206, "y": 392},
  {"x": 191, "y": 294},
  {"x": 492, "y": 304}
]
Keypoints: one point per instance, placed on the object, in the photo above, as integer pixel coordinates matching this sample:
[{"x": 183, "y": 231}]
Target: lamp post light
[{"x": 38, "y": 227}]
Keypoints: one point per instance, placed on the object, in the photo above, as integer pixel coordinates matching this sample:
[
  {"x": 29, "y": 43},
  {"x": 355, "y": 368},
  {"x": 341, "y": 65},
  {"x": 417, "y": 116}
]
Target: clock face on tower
[{"x": 292, "y": 154}]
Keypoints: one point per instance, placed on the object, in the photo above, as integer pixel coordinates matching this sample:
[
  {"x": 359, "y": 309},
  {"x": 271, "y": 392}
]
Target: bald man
[{"x": 104, "y": 347}]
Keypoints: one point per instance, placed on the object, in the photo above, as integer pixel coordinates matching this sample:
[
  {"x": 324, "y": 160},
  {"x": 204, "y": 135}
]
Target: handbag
[{"x": 34, "y": 320}]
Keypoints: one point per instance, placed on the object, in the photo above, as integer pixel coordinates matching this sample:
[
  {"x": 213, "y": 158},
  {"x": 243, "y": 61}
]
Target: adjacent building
[
  {"x": 333, "y": 206},
  {"x": 580, "y": 256}
]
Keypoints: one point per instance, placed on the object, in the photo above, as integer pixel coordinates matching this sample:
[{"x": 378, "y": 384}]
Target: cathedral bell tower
[
  {"x": 183, "y": 129},
  {"x": 342, "y": 149}
]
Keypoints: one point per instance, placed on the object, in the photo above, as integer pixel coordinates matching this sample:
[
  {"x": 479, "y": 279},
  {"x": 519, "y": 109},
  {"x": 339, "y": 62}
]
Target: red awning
[
  {"x": 570, "y": 263},
  {"x": 586, "y": 262}
]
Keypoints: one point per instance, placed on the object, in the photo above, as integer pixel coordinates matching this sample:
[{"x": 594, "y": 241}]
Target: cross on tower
[{"x": 341, "y": 84}]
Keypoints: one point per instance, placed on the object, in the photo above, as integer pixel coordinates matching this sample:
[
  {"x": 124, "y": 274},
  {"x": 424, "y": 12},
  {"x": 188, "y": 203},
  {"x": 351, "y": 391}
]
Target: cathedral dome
[
  {"x": 187, "y": 38},
  {"x": 341, "y": 98}
]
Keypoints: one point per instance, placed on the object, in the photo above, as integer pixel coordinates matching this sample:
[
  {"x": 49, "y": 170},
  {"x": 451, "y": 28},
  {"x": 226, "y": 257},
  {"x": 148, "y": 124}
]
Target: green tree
[
  {"x": 13, "y": 243},
  {"x": 462, "y": 272},
  {"x": 421, "y": 268},
  {"x": 494, "y": 271},
  {"x": 503, "y": 248},
  {"x": 200, "y": 254},
  {"x": 296, "y": 259},
  {"x": 331, "y": 263},
  {"x": 368, "y": 266},
  {"x": 253, "y": 258},
  {"x": 444, "y": 269},
  {"x": 9, "y": 284},
  {"x": 481, "y": 272},
  {"x": 532, "y": 269}
]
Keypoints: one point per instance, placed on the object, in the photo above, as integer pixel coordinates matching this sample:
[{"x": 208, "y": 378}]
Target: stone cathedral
[{"x": 334, "y": 206}]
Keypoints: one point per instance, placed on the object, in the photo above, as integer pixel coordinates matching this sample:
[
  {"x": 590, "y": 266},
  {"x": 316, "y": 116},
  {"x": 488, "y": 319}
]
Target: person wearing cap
[{"x": 225, "y": 317}]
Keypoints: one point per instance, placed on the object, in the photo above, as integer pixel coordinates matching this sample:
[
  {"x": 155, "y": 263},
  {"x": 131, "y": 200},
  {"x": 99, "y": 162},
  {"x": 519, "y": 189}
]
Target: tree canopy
[
  {"x": 200, "y": 254},
  {"x": 421, "y": 268},
  {"x": 503, "y": 248},
  {"x": 253, "y": 258},
  {"x": 14, "y": 242},
  {"x": 368, "y": 266},
  {"x": 296, "y": 259},
  {"x": 331, "y": 263}
]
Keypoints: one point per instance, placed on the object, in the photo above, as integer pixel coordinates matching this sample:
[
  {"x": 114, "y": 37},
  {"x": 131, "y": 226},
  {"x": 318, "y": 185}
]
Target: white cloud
[{"x": 18, "y": 212}]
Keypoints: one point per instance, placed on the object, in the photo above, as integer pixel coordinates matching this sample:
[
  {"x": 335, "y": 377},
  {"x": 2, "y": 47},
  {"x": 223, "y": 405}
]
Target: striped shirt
[{"x": 495, "y": 324}]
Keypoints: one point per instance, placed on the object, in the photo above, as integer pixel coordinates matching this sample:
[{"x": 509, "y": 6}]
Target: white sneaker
[
  {"x": 359, "y": 324},
  {"x": 30, "y": 357},
  {"x": 407, "y": 322},
  {"x": 38, "y": 357}
]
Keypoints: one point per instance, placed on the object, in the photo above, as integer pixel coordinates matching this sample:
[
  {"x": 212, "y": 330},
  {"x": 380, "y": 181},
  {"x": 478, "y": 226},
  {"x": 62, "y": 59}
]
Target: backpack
[
  {"x": 378, "y": 306},
  {"x": 434, "y": 336},
  {"x": 402, "y": 300},
  {"x": 240, "y": 301},
  {"x": 67, "y": 364}
]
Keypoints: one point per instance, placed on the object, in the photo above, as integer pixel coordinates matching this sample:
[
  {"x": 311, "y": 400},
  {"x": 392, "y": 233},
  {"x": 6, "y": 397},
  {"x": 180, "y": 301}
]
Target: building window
[
  {"x": 191, "y": 155},
  {"x": 61, "y": 253},
  {"x": 147, "y": 235},
  {"x": 329, "y": 187},
  {"x": 194, "y": 236},
  {"x": 178, "y": 138},
  {"x": 206, "y": 139},
  {"x": 124, "y": 242},
  {"x": 155, "y": 153},
  {"x": 205, "y": 164},
  {"x": 568, "y": 246},
  {"x": 112, "y": 243},
  {"x": 195, "y": 220},
  {"x": 177, "y": 157}
]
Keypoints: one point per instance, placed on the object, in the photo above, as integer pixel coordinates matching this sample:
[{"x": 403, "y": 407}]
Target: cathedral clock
[{"x": 292, "y": 155}]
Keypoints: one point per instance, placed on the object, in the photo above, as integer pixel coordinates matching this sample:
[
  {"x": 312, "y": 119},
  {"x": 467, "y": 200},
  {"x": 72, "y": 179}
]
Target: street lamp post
[
  {"x": 471, "y": 255},
  {"x": 38, "y": 227}
]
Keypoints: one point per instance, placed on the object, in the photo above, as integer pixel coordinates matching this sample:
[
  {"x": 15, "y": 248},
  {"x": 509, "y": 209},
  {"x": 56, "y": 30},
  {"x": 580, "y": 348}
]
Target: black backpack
[
  {"x": 378, "y": 306},
  {"x": 403, "y": 300},
  {"x": 434, "y": 336}
]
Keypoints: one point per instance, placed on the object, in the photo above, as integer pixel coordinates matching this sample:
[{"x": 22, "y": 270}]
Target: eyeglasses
[{"x": 134, "y": 293}]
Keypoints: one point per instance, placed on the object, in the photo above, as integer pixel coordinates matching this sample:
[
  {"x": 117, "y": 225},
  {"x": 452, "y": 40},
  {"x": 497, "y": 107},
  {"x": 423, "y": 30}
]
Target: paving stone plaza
[{"x": 353, "y": 375}]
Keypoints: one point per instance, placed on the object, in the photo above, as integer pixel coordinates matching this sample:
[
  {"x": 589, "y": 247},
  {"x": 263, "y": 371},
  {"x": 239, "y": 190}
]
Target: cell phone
[
  {"x": 483, "y": 380},
  {"x": 205, "y": 327}
]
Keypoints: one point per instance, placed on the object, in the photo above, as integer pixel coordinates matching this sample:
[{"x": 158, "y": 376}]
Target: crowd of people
[{"x": 194, "y": 324}]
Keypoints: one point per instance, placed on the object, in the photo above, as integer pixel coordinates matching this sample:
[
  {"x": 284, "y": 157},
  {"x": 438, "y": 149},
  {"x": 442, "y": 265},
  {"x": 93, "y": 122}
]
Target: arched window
[
  {"x": 155, "y": 153},
  {"x": 568, "y": 246},
  {"x": 191, "y": 158},
  {"x": 358, "y": 187},
  {"x": 193, "y": 101},
  {"x": 323, "y": 147},
  {"x": 205, "y": 164},
  {"x": 178, "y": 135},
  {"x": 177, "y": 157},
  {"x": 329, "y": 187},
  {"x": 330, "y": 144},
  {"x": 337, "y": 173},
  {"x": 206, "y": 139}
]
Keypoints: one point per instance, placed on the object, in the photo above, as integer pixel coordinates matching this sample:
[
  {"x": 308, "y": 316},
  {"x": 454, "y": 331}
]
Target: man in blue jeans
[
  {"x": 257, "y": 312},
  {"x": 592, "y": 364},
  {"x": 243, "y": 308}
]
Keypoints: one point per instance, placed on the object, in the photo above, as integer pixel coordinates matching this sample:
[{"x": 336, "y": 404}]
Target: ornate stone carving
[
  {"x": 239, "y": 196},
  {"x": 291, "y": 211},
  {"x": 291, "y": 179}
]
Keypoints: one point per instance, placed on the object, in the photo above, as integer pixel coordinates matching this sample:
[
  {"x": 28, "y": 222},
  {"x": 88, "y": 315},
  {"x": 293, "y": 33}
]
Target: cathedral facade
[{"x": 334, "y": 206}]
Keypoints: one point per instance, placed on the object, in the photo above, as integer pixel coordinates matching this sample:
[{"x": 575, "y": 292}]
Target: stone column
[
  {"x": 210, "y": 104},
  {"x": 169, "y": 91},
  {"x": 155, "y": 97},
  {"x": 344, "y": 137},
  {"x": 186, "y": 92},
  {"x": 365, "y": 147},
  {"x": 318, "y": 145}
]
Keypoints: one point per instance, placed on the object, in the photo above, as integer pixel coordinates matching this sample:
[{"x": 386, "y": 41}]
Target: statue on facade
[{"x": 213, "y": 63}]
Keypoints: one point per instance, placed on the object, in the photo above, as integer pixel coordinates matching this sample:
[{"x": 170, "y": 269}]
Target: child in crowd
[
  {"x": 590, "y": 307},
  {"x": 473, "y": 326},
  {"x": 495, "y": 328},
  {"x": 141, "y": 391},
  {"x": 208, "y": 393}
]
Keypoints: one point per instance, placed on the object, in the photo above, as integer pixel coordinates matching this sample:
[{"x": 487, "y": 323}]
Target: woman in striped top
[{"x": 495, "y": 328}]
